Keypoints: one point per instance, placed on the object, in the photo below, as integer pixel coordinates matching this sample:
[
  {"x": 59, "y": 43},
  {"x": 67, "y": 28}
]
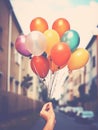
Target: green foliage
[{"x": 27, "y": 81}]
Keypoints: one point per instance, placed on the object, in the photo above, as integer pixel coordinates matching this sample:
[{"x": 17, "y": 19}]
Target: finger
[{"x": 46, "y": 106}]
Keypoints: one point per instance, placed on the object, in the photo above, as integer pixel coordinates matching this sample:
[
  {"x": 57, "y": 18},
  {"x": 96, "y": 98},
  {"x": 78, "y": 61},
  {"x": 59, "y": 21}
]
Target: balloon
[
  {"x": 21, "y": 46},
  {"x": 71, "y": 37},
  {"x": 36, "y": 42},
  {"x": 44, "y": 54},
  {"x": 40, "y": 66},
  {"x": 78, "y": 59},
  {"x": 61, "y": 25},
  {"x": 52, "y": 38},
  {"x": 54, "y": 67},
  {"x": 60, "y": 54},
  {"x": 38, "y": 24}
]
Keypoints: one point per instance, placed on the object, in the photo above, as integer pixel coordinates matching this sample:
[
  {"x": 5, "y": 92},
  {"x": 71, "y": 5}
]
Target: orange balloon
[
  {"x": 60, "y": 53},
  {"x": 61, "y": 25},
  {"x": 53, "y": 67},
  {"x": 38, "y": 24},
  {"x": 78, "y": 59}
]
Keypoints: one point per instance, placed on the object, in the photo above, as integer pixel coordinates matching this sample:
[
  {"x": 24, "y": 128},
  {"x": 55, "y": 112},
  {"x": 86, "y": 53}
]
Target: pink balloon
[{"x": 21, "y": 47}]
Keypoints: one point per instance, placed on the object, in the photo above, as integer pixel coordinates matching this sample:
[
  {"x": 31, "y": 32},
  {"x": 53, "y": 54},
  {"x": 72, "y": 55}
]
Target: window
[
  {"x": 93, "y": 61},
  {"x": 12, "y": 44},
  {"x": 1, "y": 74},
  {"x": 17, "y": 58},
  {"x": 90, "y": 52},
  {"x": 1, "y": 30},
  {"x": 16, "y": 86},
  {"x": 11, "y": 83}
]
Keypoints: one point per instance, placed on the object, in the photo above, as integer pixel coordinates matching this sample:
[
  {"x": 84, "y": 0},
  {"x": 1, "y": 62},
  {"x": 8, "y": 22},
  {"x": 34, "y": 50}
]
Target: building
[
  {"x": 91, "y": 69},
  {"x": 9, "y": 30},
  {"x": 85, "y": 76},
  {"x": 13, "y": 67},
  {"x": 89, "y": 72}
]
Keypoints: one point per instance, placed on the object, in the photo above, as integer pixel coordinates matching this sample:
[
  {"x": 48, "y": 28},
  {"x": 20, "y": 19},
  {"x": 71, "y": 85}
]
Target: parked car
[
  {"x": 85, "y": 116},
  {"x": 71, "y": 111}
]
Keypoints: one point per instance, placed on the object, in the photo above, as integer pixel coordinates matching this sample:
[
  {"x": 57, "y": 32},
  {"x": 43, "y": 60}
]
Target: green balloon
[{"x": 72, "y": 38}]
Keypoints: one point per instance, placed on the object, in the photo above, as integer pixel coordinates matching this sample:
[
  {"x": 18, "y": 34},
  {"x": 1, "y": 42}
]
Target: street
[
  {"x": 24, "y": 122},
  {"x": 65, "y": 122}
]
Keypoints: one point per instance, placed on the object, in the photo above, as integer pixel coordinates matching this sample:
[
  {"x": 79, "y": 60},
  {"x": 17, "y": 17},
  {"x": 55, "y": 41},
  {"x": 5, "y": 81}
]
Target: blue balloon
[{"x": 72, "y": 38}]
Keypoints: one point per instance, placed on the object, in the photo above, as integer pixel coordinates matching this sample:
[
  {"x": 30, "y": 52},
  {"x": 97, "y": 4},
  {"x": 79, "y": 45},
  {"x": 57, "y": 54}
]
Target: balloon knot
[
  {"x": 58, "y": 67},
  {"x": 70, "y": 71},
  {"x": 44, "y": 80},
  {"x": 30, "y": 57}
]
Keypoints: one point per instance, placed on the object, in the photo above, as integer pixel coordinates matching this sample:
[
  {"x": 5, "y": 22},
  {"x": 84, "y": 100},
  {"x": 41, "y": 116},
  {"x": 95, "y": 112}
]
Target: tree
[
  {"x": 27, "y": 81},
  {"x": 44, "y": 94},
  {"x": 93, "y": 90}
]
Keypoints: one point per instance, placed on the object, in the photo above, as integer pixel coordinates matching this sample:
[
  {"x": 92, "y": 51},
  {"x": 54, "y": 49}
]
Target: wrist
[{"x": 50, "y": 124}]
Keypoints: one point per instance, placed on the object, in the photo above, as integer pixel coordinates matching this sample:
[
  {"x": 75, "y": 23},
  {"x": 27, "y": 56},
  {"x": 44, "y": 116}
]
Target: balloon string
[
  {"x": 59, "y": 79},
  {"x": 54, "y": 84},
  {"x": 57, "y": 76},
  {"x": 37, "y": 72},
  {"x": 69, "y": 71},
  {"x": 53, "y": 78},
  {"x": 51, "y": 85},
  {"x": 48, "y": 76}
]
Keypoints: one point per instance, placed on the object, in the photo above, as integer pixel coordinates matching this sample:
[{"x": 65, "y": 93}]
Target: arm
[{"x": 48, "y": 114}]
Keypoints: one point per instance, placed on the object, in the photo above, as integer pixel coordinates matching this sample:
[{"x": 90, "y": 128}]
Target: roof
[
  {"x": 9, "y": 5},
  {"x": 91, "y": 41}
]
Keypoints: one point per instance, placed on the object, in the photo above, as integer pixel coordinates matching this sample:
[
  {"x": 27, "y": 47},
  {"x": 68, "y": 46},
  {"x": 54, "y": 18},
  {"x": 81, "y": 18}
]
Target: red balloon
[
  {"x": 61, "y": 25},
  {"x": 60, "y": 53},
  {"x": 38, "y": 24},
  {"x": 40, "y": 66}
]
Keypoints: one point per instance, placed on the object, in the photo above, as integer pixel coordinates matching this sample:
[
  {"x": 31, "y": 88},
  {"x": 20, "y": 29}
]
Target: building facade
[
  {"x": 87, "y": 76},
  {"x": 13, "y": 66},
  {"x": 9, "y": 60}
]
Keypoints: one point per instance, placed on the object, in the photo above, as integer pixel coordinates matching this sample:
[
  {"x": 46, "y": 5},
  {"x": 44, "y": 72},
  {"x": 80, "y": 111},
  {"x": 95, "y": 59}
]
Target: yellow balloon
[
  {"x": 52, "y": 37},
  {"x": 78, "y": 59}
]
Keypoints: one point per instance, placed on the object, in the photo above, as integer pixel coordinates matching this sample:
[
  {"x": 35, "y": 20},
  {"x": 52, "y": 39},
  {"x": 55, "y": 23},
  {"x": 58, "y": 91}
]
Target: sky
[{"x": 81, "y": 14}]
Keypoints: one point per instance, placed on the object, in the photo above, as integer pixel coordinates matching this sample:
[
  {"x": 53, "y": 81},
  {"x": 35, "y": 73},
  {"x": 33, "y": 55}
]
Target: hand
[{"x": 48, "y": 114}]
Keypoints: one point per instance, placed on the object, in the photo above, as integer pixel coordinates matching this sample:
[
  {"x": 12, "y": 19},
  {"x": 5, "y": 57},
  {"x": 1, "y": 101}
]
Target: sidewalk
[{"x": 20, "y": 123}]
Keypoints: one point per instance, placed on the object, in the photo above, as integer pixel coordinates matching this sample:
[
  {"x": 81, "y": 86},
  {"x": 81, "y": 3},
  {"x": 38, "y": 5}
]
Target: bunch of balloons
[{"x": 51, "y": 49}]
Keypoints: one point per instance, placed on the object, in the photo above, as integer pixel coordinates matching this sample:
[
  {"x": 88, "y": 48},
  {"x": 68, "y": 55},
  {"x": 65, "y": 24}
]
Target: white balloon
[{"x": 36, "y": 42}]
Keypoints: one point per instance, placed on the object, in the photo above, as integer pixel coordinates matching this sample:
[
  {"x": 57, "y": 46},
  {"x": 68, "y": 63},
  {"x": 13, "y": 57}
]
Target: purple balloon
[{"x": 21, "y": 47}]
